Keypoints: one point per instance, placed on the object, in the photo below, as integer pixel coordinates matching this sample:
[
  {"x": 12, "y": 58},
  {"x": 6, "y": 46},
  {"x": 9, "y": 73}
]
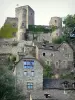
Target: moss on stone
[{"x": 8, "y": 31}]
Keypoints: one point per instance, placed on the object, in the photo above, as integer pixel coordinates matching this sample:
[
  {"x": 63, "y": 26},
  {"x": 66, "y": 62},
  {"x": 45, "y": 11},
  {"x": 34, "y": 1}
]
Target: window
[
  {"x": 64, "y": 48},
  {"x": 13, "y": 34},
  {"x": 28, "y": 64},
  {"x": 57, "y": 34},
  {"x": 32, "y": 73},
  {"x": 25, "y": 73},
  {"x": 51, "y": 47},
  {"x": 51, "y": 54},
  {"x": 55, "y": 21},
  {"x": 43, "y": 54},
  {"x": 29, "y": 85},
  {"x": 64, "y": 61},
  {"x": 67, "y": 55},
  {"x": 57, "y": 63},
  {"x": 47, "y": 62},
  {"x": 22, "y": 24},
  {"x": 14, "y": 25}
]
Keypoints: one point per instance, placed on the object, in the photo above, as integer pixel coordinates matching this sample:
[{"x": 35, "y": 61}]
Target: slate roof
[{"x": 49, "y": 46}]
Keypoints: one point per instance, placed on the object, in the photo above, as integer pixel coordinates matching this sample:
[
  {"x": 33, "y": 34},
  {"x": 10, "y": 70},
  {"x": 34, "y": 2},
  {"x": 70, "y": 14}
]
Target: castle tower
[
  {"x": 56, "y": 21},
  {"x": 25, "y": 15},
  {"x": 21, "y": 24},
  {"x": 29, "y": 14}
]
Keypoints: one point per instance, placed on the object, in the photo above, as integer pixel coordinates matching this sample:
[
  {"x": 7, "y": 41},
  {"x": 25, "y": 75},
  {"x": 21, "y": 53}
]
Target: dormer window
[{"x": 51, "y": 47}]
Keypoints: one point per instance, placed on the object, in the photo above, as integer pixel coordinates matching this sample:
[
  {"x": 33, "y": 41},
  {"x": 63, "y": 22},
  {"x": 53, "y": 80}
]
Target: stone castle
[
  {"x": 25, "y": 17},
  {"x": 29, "y": 53},
  {"x": 19, "y": 46}
]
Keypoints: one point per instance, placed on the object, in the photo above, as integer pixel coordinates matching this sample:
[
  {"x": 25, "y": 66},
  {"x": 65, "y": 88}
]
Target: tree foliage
[
  {"x": 69, "y": 27},
  {"x": 60, "y": 39},
  {"x": 69, "y": 23},
  {"x": 47, "y": 71},
  {"x": 11, "y": 59},
  {"x": 7, "y": 86}
]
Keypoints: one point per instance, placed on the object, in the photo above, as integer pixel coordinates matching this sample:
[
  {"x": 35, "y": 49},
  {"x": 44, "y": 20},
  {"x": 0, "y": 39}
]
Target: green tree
[
  {"x": 60, "y": 39},
  {"x": 69, "y": 23},
  {"x": 7, "y": 86},
  {"x": 11, "y": 60},
  {"x": 47, "y": 71}
]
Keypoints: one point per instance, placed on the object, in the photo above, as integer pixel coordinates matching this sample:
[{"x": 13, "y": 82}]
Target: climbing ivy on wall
[
  {"x": 35, "y": 29},
  {"x": 8, "y": 31}
]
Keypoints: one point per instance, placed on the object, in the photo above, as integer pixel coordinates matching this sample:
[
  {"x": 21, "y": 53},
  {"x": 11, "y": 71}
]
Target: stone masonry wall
[{"x": 37, "y": 79}]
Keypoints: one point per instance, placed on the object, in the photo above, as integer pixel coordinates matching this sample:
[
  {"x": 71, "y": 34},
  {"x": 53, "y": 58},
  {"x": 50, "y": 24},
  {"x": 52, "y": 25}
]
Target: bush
[{"x": 47, "y": 72}]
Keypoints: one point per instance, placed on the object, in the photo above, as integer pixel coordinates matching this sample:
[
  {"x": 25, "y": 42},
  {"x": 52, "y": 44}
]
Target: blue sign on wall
[{"x": 28, "y": 63}]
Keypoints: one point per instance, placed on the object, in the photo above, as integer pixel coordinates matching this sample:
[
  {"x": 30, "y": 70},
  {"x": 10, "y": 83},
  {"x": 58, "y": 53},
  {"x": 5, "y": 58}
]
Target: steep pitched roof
[
  {"x": 50, "y": 46},
  {"x": 47, "y": 46},
  {"x": 66, "y": 43},
  {"x": 28, "y": 56}
]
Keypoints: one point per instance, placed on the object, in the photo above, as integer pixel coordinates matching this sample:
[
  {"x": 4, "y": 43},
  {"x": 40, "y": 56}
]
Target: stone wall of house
[
  {"x": 61, "y": 58},
  {"x": 40, "y": 37},
  {"x": 8, "y": 47},
  {"x": 22, "y": 79}
]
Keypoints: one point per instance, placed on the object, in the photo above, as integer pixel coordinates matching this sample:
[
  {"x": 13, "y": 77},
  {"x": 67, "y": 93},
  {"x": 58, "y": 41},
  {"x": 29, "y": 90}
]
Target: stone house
[
  {"x": 29, "y": 74},
  {"x": 60, "y": 56}
]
